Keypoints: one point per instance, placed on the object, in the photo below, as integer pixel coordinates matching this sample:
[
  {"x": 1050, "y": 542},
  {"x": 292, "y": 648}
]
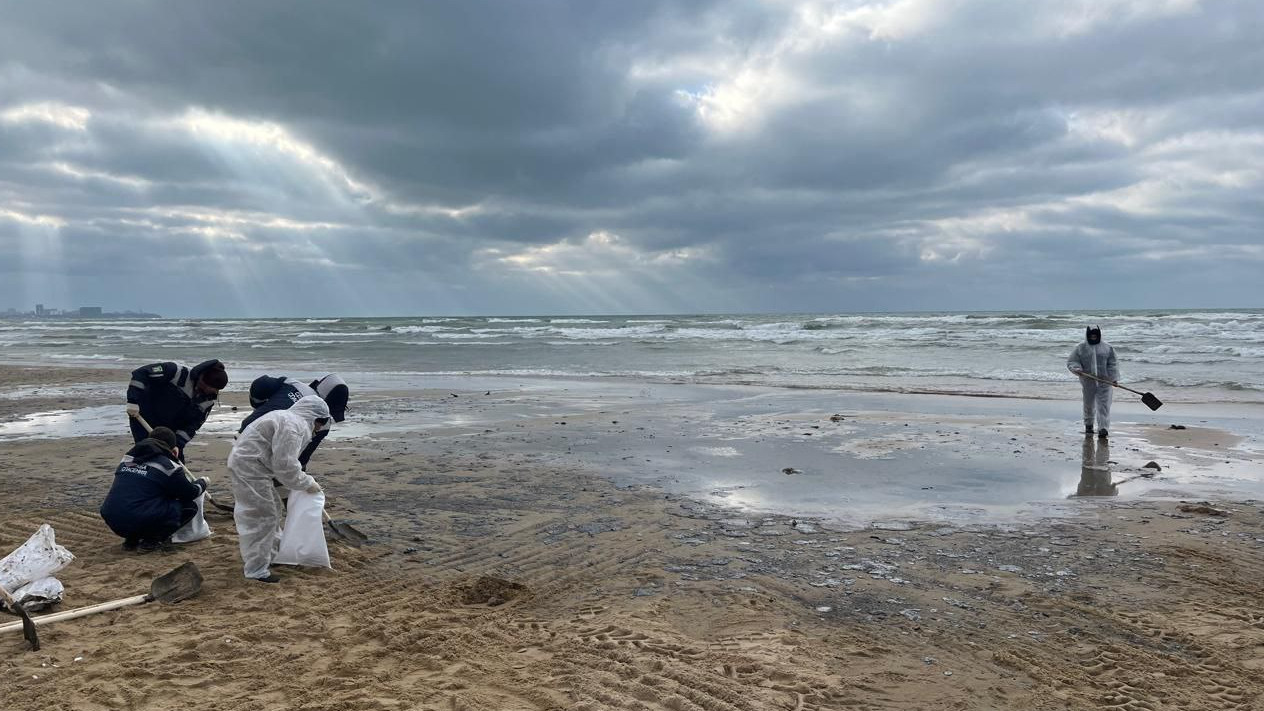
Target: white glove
[
  {"x": 314, "y": 488},
  {"x": 133, "y": 410}
]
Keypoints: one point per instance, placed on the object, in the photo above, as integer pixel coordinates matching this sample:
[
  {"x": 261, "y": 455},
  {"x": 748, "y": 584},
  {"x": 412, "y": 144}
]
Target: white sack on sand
[
  {"x": 39, "y": 594},
  {"x": 303, "y": 539},
  {"x": 38, "y": 558}
]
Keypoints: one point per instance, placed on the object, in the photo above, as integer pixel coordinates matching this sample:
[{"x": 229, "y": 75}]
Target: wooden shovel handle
[
  {"x": 1109, "y": 382},
  {"x": 143, "y": 423},
  {"x": 188, "y": 474},
  {"x": 81, "y": 612}
]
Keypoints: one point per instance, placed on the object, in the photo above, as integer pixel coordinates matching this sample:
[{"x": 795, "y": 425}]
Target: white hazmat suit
[
  {"x": 1095, "y": 359},
  {"x": 268, "y": 449}
]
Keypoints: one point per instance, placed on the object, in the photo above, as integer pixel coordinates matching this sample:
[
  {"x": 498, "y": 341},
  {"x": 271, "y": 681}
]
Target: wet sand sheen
[
  {"x": 506, "y": 578},
  {"x": 850, "y": 458}
]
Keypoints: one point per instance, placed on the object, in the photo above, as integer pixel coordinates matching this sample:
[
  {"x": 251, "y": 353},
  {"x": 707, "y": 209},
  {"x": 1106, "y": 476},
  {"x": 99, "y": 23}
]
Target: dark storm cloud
[{"x": 321, "y": 157}]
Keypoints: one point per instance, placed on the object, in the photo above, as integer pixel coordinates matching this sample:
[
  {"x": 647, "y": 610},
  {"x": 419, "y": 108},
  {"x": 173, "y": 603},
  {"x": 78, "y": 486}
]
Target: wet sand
[{"x": 511, "y": 575}]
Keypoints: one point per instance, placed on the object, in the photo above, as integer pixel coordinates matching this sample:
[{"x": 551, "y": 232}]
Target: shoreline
[{"x": 851, "y": 460}]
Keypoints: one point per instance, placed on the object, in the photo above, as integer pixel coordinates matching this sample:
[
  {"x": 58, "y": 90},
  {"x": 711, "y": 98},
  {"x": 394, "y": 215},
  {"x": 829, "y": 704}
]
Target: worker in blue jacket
[
  {"x": 174, "y": 396},
  {"x": 152, "y": 496},
  {"x": 270, "y": 393}
]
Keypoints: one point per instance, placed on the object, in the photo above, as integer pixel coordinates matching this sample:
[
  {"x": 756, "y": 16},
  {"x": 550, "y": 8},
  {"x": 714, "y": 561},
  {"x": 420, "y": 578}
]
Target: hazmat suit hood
[{"x": 311, "y": 408}]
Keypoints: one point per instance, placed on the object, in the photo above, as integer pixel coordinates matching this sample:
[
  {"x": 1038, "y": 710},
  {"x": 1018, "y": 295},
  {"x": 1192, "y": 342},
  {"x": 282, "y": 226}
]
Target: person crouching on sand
[
  {"x": 152, "y": 496},
  {"x": 269, "y": 448}
]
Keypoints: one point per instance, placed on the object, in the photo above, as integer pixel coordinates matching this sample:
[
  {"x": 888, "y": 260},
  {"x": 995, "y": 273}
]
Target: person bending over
[
  {"x": 174, "y": 396},
  {"x": 269, "y": 449},
  {"x": 270, "y": 393}
]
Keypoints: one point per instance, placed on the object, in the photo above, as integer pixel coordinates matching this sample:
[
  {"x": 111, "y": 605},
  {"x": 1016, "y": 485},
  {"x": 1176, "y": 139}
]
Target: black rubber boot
[{"x": 1102, "y": 434}]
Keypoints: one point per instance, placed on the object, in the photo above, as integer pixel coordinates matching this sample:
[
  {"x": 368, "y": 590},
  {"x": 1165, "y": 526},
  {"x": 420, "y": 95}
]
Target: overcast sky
[{"x": 531, "y": 156}]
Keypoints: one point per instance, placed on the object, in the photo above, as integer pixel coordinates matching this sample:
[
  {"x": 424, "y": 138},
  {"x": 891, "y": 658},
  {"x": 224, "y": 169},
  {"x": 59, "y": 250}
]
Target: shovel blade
[
  {"x": 220, "y": 505},
  {"x": 28, "y": 627},
  {"x": 180, "y": 584},
  {"x": 347, "y": 533},
  {"x": 1151, "y": 401}
]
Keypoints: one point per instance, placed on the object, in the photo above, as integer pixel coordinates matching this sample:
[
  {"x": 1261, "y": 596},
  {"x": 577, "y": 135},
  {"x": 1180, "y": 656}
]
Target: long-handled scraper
[
  {"x": 179, "y": 584},
  {"x": 1149, "y": 399}
]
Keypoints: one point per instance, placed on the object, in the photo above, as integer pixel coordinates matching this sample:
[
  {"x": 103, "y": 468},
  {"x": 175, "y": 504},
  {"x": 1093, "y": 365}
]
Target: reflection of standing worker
[
  {"x": 1095, "y": 470},
  {"x": 269, "y": 393},
  {"x": 174, "y": 396},
  {"x": 1097, "y": 358},
  {"x": 268, "y": 449}
]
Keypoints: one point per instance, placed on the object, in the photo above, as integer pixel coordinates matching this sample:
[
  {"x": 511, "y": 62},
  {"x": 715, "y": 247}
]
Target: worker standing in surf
[{"x": 1095, "y": 357}]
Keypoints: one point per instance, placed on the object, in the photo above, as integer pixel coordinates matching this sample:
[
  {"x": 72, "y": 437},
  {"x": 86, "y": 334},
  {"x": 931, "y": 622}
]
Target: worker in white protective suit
[
  {"x": 1095, "y": 357},
  {"x": 269, "y": 448}
]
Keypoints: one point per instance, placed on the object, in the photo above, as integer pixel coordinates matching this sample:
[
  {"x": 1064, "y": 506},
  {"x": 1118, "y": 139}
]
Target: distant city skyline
[{"x": 42, "y": 310}]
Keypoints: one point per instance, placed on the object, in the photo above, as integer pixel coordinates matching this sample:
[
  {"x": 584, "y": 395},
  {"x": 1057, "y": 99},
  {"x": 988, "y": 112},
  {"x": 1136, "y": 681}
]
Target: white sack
[
  {"x": 39, "y": 594},
  {"x": 303, "y": 539},
  {"x": 38, "y": 558},
  {"x": 197, "y": 528}
]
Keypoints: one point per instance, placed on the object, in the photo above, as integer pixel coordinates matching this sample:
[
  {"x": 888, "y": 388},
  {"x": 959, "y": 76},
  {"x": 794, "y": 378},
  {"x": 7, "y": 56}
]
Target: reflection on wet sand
[{"x": 1095, "y": 475}]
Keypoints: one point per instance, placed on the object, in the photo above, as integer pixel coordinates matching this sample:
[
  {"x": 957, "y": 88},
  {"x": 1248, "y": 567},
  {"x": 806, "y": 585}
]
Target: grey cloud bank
[{"x": 314, "y": 158}]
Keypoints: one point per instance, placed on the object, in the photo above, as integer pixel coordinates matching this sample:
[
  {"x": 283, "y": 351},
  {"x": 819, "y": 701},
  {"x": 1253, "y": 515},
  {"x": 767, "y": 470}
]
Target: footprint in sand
[
  {"x": 745, "y": 641},
  {"x": 588, "y": 612},
  {"x": 611, "y": 636}
]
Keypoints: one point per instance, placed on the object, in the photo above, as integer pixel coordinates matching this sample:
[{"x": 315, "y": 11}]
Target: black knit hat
[
  {"x": 214, "y": 376},
  {"x": 164, "y": 436}
]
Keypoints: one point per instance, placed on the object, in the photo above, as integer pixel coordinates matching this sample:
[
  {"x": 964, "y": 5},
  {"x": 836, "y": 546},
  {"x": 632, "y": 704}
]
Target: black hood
[
  {"x": 1093, "y": 334},
  {"x": 334, "y": 391},
  {"x": 196, "y": 372},
  {"x": 148, "y": 450}
]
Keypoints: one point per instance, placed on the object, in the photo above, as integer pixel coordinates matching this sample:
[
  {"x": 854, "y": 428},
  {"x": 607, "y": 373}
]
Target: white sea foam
[
  {"x": 86, "y": 356},
  {"x": 353, "y": 335},
  {"x": 418, "y": 329},
  {"x": 469, "y": 335},
  {"x": 717, "y": 451},
  {"x": 1218, "y": 354}
]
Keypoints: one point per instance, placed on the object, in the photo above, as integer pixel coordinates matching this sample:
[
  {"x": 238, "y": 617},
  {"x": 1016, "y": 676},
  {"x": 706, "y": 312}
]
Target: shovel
[
  {"x": 209, "y": 499},
  {"x": 344, "y": 531},
  {"x": 27, "y": 624},
  {"x": 180, "y": 584},
  {"x": 1149, "y": 399}
]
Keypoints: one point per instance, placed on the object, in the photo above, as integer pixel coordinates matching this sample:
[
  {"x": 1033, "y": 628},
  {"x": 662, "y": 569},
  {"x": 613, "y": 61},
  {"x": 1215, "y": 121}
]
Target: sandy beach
[{"x": 503, "y": 578}]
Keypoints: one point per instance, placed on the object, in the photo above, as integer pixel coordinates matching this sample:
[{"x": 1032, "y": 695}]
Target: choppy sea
[
  {"x": 1192, "y": 356},
  {"x": 848, "y": 404}
]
